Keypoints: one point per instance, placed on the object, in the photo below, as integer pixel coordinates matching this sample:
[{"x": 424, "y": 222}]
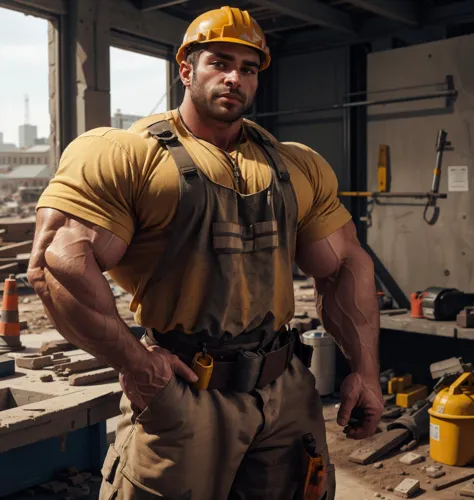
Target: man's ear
[{"x": 186, "y": 73}]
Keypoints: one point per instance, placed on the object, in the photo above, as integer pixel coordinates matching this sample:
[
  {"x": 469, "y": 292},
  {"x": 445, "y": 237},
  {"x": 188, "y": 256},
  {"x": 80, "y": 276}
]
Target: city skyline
[{"x": 137, "y": 81}]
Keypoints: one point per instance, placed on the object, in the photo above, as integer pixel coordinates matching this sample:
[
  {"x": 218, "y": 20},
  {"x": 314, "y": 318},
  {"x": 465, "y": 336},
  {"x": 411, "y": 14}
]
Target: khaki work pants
[{"x": 217, "y": 445}]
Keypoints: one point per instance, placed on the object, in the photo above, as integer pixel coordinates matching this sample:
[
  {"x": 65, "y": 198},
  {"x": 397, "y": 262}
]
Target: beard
[{"x": 208, "y": 106}]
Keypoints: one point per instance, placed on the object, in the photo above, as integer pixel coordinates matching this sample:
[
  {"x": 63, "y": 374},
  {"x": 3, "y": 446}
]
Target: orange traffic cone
[{"x": 10, "y": 322}]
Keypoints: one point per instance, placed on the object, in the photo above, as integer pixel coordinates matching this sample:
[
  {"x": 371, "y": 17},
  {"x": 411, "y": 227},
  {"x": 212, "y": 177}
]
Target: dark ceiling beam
[
  {"x": 147, "y": 5},
  {"x": 376, "y": 29},
  {"x": 312, "y": 12},
  {"x": 402, "y": 11},
  {"x": 277, "y": 25}
]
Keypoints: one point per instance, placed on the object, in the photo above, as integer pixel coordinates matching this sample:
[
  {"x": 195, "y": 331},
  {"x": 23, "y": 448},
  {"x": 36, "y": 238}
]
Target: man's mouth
[{"x": 231, "y": 96}]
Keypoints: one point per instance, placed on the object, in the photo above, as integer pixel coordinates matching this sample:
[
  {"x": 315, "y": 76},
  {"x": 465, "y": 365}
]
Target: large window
[
  {"x": 24, "y": 93},
  {"x": 137, "y": 83}
]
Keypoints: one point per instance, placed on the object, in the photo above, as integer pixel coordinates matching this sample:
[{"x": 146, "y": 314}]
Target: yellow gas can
[{"x": 452, "y": 423}]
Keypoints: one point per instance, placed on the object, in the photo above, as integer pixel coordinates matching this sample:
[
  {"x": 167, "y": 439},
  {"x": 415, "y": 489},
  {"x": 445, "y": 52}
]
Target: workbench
[
  {"x": 47, "y": 427},
  {"x": 405, "y": 323}
]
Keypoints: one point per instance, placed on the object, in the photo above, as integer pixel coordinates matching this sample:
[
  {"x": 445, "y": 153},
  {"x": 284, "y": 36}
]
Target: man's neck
[{"x": 223, "y": 135}]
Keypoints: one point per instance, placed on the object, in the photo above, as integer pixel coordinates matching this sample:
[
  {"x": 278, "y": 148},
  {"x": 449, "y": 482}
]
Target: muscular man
[{"x": 200, "y": 214}]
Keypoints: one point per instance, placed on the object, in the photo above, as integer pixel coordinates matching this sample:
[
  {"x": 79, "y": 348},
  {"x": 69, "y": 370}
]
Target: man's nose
[{"x": 232, "y": 79}]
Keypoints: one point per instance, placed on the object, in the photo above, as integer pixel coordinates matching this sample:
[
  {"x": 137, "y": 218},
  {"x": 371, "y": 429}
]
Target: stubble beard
[{"x": 207, "y": 106}]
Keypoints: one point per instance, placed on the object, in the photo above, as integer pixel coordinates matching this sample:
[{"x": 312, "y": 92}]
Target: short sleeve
[
  {"x": 326, "y": 213},
  {"x": 95, "y": 181}
]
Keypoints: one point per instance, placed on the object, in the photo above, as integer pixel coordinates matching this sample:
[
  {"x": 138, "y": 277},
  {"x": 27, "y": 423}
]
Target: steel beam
[
  {"x": 147, "y": 5},
  {"x": 312, "y": 12},
  {"x": 398, "y": 10},
  {"x": 37, "y": 7}
]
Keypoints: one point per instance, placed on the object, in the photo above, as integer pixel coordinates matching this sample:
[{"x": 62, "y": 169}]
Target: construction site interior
[{"x": 384, "y": 91}]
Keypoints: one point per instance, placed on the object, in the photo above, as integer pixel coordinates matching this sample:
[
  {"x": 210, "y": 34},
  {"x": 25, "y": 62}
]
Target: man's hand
[
  {"x": 142, "y": 385},
  {"x": 366, "y": 395}
]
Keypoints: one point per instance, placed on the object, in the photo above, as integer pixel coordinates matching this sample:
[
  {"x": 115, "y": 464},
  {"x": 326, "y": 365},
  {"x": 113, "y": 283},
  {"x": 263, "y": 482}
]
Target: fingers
[
  {"x": 350, "y": 392},
  {"x": 178, "y": 367},
  {"x": 183, "y": 370},
  {"x": 367, "y": 427}
]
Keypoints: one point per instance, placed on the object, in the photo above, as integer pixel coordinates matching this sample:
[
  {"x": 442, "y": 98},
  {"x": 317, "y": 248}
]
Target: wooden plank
[
  {"x": 452, "y": 481},
  {"x": 467, "y": 491},
  {"x": 56, "y": 346},
  {"x": 93, "y": 377},
  {"x": 379, "y": 445},
  {"x": 83, "y": 365},
  {"x": 14, "y": 249}
]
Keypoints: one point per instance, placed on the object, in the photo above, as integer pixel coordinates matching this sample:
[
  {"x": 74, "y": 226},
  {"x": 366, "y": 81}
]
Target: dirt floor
[
  {"x": 385, "y": 479},
  {"x": 355, "y": 482}
]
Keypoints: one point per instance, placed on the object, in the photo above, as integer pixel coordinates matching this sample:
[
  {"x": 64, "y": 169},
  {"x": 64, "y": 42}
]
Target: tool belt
[{"x": 234, "y": 369}]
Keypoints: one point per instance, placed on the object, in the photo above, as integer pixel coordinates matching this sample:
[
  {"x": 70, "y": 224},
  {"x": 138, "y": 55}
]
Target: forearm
[
  {"x": 67, "y": 276},
  {"x": 89, "y": 319},
  {"x": 346, "y": 302}
]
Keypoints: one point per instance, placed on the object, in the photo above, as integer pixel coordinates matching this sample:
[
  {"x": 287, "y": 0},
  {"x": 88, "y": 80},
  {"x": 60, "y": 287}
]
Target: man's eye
[
  {"x": 218, "y": 64},
  {"x": 248, "y": 71}
]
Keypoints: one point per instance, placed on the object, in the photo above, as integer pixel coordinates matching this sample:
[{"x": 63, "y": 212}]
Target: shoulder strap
[
  {"x": 164, "y": 134},
  {"x": 270, "y": 152}
]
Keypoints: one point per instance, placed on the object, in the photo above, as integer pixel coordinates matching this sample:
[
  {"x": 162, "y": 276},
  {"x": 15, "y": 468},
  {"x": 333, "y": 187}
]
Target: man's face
[{"x": 224, "y": 81}]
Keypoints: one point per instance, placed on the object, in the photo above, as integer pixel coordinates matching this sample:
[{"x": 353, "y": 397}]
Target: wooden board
[
  {"x": 14, "y": 249},
  {"x": 379, "y": 445},
  {"x": 93, "y": 377},
  {"x": 467, "y": 491},
  {"x": 453, "y": 480}
]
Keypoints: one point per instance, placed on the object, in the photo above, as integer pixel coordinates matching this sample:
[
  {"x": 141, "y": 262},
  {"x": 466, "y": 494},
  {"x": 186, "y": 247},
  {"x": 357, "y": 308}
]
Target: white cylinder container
[{"x": 323, "y": 361}]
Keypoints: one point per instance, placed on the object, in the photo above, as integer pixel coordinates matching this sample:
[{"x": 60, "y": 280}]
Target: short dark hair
[{"x": 193, "y": 53}]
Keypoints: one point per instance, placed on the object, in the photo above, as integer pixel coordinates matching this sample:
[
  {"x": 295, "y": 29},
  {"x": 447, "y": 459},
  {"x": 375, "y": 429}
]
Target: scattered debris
[
  {"x": 46, "y": 378},
  {"x": 411, "y": 459},
  {"x": 54, "y": 486},
  {"x": 34, "y": 361},
  {"x": 58, "y": 355},
  {"x": 407, "y": 447},
  {"x": 93, "y": 377},
  {"x": 434, "y": 472},
  {"x": 56, "y": 346},
  {"x": 61, "y": 361},
  {"x": 407, "y": 488},
  {"x": 378, "y": 465},
  {"x": 389, "y": 488},
  {"x": 379, "y": 445},
  {"x": 467, "y": 491},
  {"x": 453, "y": 480},
  {"x": 79, "y": 479}
]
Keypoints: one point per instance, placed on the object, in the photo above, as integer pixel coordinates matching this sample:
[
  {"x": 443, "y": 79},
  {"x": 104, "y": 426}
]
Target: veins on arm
[
  {"x": 345, "y": 295},
  {"x": 68, "y": 258}
]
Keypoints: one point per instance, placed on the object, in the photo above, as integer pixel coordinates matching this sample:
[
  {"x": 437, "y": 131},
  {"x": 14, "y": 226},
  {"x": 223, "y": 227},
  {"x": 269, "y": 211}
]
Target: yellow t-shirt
[{"x": 124, "y": 181}]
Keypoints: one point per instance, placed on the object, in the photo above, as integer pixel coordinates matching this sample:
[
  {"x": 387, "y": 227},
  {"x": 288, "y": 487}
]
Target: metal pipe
[{"x": 437, "y": 95}]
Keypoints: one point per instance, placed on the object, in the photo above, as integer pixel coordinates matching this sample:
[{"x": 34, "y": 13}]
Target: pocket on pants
[
  {"x": 159, "y": 451},
  {"x": 108, "y": 490}
]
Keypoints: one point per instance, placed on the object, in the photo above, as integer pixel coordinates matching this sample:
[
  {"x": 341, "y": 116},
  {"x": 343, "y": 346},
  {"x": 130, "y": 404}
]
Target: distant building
[
  {"x": 42, "y": 141},
  {"x": 6, "y": 146},
  {"x": 36, "y": 155},
  {"x": 26, "y": 176},
  {"x": 27, "y": 134},
  {"x": 119, "y": 120}
]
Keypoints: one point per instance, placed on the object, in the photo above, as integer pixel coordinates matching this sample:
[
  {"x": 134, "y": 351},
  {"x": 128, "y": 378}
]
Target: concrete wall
[
  {"x": 419, "y": 255},
  {"x": 314, "y": 79}
]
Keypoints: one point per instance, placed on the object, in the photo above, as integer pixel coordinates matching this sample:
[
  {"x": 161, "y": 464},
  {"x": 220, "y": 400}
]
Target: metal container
[
  {"x": 323, "y": 361},
  {"x": 452, "y": 423}
]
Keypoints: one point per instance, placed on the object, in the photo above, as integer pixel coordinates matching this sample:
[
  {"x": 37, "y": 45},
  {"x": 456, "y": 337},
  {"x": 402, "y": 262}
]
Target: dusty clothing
[
  {"x": 215, "y": 445},
  {"x": 125, "y": 181}
]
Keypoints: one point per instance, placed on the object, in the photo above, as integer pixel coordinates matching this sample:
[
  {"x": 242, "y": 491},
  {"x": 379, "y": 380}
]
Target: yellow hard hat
[{"x": 226, "y": 24}]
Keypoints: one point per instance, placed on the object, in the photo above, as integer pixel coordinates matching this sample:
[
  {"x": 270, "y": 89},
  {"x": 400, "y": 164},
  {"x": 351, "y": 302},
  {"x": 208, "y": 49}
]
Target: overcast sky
[{"x": 137, "y": 81}]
